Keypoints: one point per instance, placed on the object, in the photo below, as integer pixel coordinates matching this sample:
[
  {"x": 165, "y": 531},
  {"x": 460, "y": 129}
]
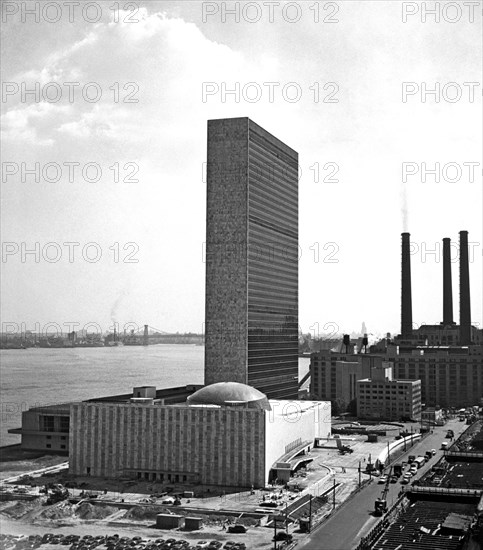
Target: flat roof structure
[{"x": 420, "y": 527}]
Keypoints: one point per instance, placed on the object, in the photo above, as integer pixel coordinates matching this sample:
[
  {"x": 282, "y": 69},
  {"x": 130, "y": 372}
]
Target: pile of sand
[
  {"x": 87, "y": 510},
  {"x": 19, "y": 509},
  {"x": 144, "y": 512},
  {"x": 60, "y": 511}
]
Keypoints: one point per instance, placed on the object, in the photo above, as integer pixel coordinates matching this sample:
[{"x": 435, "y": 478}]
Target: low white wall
[
  {"x": 410, "y": 439},
  {"x": 292, "y": 420}
]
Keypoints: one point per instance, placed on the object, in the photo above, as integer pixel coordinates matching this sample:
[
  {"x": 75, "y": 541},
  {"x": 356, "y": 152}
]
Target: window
[
  {"x": 64, "y": 424},
  {"x": 47, "y": 423},
  {"x": 62, "y": 446},
  {"x": 62, "y": 437},
  {"x": 48, "y": 445},
  {"x": 48, "y": 437}
]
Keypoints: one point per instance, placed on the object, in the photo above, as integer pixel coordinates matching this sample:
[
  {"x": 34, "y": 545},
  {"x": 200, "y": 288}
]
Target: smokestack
[
  {"x": 406, "y": 300},
  {"x": 465, "y": 309},
  {"x": 145, "y": 335},
  {"x": 447, "y": 284}
]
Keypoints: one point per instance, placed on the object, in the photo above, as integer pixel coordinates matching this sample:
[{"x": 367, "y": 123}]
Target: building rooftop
[
  {"x": 420, "y": 527},
  {"x": 168, "y": 395}
]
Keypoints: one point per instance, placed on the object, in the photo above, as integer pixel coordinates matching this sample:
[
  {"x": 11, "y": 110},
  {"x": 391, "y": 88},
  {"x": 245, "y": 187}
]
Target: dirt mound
[
  {"x": 91, "y": 511},
  {"x": 59, "y": 511},
  {"x": 248, "y": 522},
  {"x": 144, "y": 512},
  {"x": 19, "y": 509}
]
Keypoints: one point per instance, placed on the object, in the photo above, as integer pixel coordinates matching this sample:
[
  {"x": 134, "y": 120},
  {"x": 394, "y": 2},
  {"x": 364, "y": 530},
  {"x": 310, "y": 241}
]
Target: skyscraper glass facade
[
  {"x": 272, "y": 265},
  {"x": 251, "y": 259}
]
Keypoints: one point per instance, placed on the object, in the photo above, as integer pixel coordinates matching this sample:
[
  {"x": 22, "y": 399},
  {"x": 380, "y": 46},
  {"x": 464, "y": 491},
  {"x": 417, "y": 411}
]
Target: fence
[{"x": 367, "y": 541}]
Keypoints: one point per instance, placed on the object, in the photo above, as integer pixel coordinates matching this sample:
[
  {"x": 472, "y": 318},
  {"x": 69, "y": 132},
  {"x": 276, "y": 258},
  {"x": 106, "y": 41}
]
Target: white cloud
[
  {"x": 368, "y": 133},
  {"x": 26, "y": 123}
]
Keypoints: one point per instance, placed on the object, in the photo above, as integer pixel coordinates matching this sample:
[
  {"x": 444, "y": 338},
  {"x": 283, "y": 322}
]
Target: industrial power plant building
[
  {"x": 226, "y": 434},
  {"x": 447, "y": 359}
]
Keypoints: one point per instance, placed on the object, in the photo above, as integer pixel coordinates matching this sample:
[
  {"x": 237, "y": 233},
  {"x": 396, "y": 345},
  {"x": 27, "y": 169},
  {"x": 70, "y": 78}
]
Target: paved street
[{"x": 354, "y": 520}]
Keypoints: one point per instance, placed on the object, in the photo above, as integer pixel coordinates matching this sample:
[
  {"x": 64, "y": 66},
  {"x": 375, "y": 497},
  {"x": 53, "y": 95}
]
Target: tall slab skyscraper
[{"x": 251, "y": 259}]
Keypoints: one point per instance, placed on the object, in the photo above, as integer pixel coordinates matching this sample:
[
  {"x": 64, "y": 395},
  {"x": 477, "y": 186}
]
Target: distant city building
[
  {"x": 226, "y": 434},
  {"x": 382, "y": 397},
  {"x": 334, "y": 375},
  {"x": 433, "y": 417},
  {"x": 251, "y": 259}
]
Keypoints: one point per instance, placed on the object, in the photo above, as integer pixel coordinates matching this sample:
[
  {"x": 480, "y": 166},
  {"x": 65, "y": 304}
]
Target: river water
[{"x": 40, "y": 376}]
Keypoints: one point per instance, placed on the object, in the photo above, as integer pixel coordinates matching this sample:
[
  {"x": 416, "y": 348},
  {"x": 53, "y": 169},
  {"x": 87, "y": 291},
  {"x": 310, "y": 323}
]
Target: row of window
[
  {"x": 50, "y": 423},
  {"x": 156, "y": 476}
]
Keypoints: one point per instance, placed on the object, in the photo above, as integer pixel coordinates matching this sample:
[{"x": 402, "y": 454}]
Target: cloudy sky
[{"x": 120, "y": 161}]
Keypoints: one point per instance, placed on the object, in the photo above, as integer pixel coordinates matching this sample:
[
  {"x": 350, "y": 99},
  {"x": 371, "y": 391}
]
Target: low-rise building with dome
[{"x": 226, "y": 434}]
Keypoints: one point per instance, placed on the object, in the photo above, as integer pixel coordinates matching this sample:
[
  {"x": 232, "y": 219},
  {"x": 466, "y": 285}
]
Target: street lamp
[{"x": 310, "y": 512}]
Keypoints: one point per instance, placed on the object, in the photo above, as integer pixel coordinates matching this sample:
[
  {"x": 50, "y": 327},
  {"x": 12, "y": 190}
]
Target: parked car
[{"x": 237, "y": 528}]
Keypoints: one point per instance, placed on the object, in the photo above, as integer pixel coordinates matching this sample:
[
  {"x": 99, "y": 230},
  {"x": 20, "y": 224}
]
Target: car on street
[{"x": 382, "y": 479}]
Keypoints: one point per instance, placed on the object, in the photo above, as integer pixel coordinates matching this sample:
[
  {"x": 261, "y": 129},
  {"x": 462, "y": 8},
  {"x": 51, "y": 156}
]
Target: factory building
[
  {"x": 382, "y": 397},
  {"x": 251, "y": 259},
  {"x": 447, "y": 333},
  {"x": 450, "y": 377},
  {"x": 447, "y": 358},
  {"x": 226, "y": 434}
]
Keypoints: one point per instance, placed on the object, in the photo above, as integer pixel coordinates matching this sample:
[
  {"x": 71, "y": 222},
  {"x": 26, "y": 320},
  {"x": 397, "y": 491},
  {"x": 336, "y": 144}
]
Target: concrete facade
[
  {"x": 207, "y": 445},
  {"x": 450, "y": 377},
  {"x": 45, "y": 429},
  {"x": 251, "y": 259},
  {"x": 382, "y": 397},
  {"x": 228, "y": 446},
  {"x": 292, "y": 423}
]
